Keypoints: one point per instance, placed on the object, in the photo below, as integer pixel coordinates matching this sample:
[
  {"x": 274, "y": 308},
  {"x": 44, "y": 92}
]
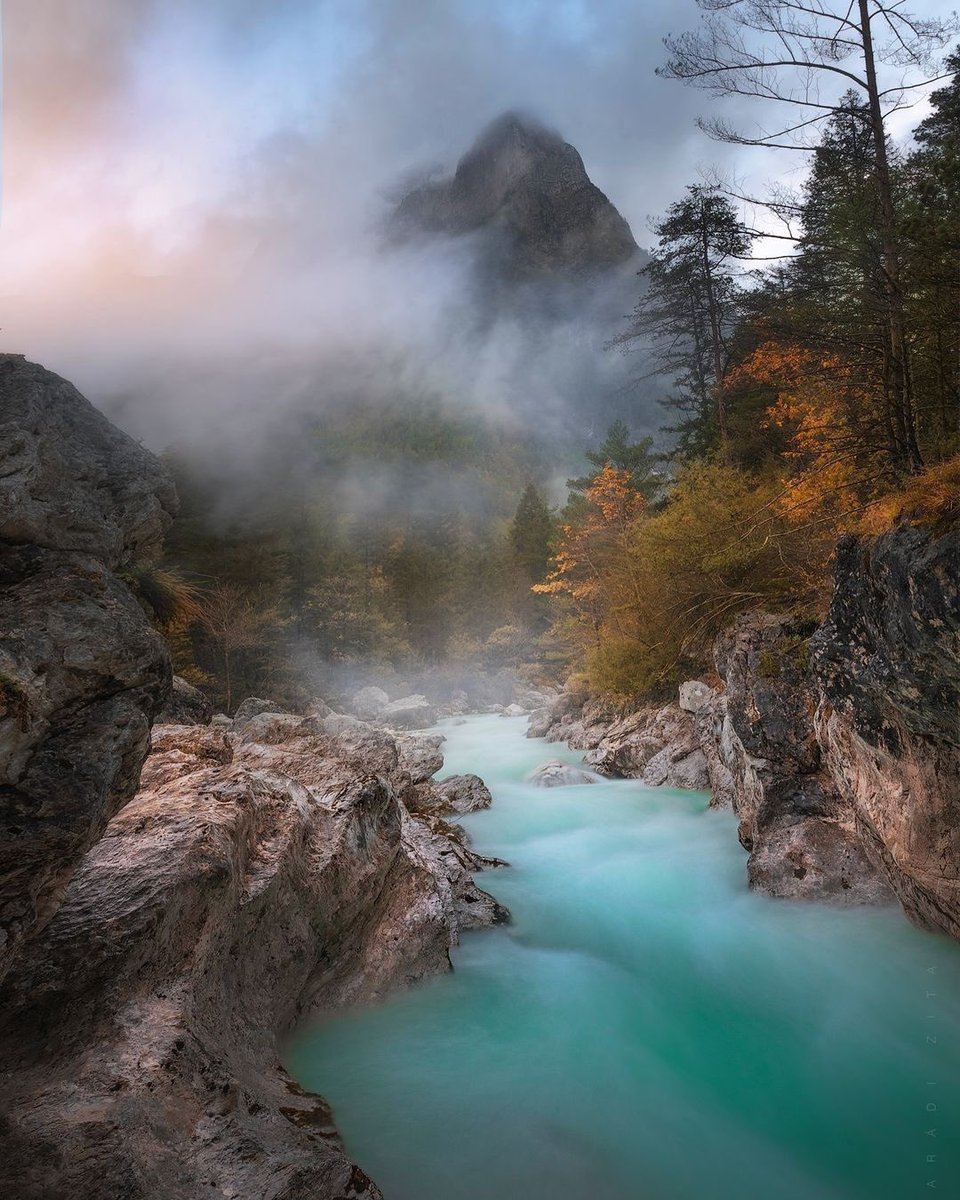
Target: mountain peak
[
  {"x": 527, "y": 188},
  {"x": 517, "y": 126}
]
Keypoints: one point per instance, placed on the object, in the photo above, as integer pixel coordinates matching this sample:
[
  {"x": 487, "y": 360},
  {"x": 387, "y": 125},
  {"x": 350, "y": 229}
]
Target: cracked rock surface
[
  {"x": 246, "y": 885},
  {"x": 82, "y": 673}
]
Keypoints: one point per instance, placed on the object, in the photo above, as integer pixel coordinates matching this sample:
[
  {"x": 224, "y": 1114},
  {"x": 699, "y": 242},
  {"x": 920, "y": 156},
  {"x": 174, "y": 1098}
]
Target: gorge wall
[
  {"x": 838, "y": 747},
  {"x": 160, "y": 943},
  {"x": 887, "y": 663},
  {"x": 267, "y": 868},
  {"x": 82, "y": 673}
]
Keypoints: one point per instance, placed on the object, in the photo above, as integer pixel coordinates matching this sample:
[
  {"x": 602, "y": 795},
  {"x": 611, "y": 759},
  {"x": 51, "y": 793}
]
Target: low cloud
[{"x": 195, "y": 192}]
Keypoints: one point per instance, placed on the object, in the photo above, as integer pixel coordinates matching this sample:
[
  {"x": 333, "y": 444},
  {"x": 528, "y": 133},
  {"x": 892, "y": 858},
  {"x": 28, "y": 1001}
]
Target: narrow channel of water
[{"x": 647, "y": 1029}]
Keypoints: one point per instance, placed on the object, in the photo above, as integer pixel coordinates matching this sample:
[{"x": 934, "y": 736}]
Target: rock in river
[{"x": 556, "y": 773}]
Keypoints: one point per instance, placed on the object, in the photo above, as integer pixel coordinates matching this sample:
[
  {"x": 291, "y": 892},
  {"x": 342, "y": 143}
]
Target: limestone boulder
[
  {"x": 420, "y": 755},
  {"x": 186, "y": 705},
  {"x": 410, "y": 712},
  {"x": 369, "y": 703},
  {"x": 255, "y": 706},
  {"x": 461, "y": 794},
  {"x": 556, "y": 773}
]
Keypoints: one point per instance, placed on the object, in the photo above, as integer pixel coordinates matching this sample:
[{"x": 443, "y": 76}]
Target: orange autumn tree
[
  {"x": 591, "y": 570},
  {"x": 645, "y": 593},
  {"x": 831, "y": 412}
]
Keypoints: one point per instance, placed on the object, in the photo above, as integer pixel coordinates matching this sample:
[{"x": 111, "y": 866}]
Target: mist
[
  {"x": 196, "y": 197},
  {"x": 196, "y": 194}
]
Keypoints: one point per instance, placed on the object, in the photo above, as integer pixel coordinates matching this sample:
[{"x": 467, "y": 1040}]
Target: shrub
[
  {"x": 719, "y": 547},
  {"x": 931, "y": 498}
]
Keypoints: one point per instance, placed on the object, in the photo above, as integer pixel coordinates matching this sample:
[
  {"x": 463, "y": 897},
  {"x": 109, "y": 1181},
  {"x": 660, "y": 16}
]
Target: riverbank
[
  {"x": 838, "y": 745},
  {"x": 160, "y": 931},
  {"x": 268, "y": 867}
]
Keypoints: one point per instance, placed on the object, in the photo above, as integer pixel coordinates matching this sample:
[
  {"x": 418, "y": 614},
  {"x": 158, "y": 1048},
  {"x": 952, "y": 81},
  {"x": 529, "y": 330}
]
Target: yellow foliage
[
  {"x": 171, "y": 600},
  {"x": 931, "y": 498},
  {"x": 649, "y": 606},
  {"x": 587, "y": 547},
  {"x": 830, "y": 410}
]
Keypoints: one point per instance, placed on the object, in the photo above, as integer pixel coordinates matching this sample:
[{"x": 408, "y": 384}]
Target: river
[{"x": 647, "y": 1028}]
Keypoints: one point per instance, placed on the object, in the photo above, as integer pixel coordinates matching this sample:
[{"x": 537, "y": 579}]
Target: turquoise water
[{"x": 647, "y": 1029}]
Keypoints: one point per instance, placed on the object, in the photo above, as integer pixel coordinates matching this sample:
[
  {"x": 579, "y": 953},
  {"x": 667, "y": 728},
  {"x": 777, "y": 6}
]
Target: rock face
[
  {"x": 694, "y": 694},
  {"x": 247, "y": 884},
  {"x": 70, "y": 480},
  {"x": 841, "y": 752},
  {"x": 186, "y": 705},
  {"x": 719, "y": 744},
  {"x": 798, "y": 829},
  {"x": 523, "y": 186},
  {"x": 656, "y": 745},
  {"x": 81, "y": 671},
  {"x": 887, "y": 662}
]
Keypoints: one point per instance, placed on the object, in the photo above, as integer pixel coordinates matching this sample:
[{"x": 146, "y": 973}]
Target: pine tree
[
  {"x": 531, "y": 532},
  {"x": 840, "y": 249},
  {"x": 637, "y": 459},
  {"x": 841, "y": 278},
  {"x": 689, "y": 309},
  {"x": 933, "y": 261},
  {"x": 790, "y": 53}
]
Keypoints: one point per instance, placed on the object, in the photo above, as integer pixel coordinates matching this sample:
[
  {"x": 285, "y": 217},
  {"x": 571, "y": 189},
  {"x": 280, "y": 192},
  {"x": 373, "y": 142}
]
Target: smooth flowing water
[{"x": 647, "y": 1029}]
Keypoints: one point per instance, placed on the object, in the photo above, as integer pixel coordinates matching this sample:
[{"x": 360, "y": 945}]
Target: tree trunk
[
  {"x": 716, "y": 343},
  {"x": 906, "y": 451}
]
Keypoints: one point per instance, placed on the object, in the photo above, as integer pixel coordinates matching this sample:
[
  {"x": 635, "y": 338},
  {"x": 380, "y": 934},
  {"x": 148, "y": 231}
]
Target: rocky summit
[{"x": 527, "y": 190}]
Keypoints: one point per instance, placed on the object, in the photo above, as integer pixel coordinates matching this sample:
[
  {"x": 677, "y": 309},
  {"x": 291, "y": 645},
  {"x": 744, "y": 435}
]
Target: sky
[{"x": 193, "y": 180}]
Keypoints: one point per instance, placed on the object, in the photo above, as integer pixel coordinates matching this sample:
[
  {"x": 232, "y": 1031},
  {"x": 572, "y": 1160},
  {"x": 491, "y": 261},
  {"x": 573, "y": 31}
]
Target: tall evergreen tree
[
  {"x": 932, "y": 198},
  {"x": 940, "y": 130},
  {"x": 840, "y": 250},
  {"x": 840, "y": 277},
  {"x": 531, "y": 532},
  {"x": 791, "y": 53},
  {"x": 689, "y": 309}
]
